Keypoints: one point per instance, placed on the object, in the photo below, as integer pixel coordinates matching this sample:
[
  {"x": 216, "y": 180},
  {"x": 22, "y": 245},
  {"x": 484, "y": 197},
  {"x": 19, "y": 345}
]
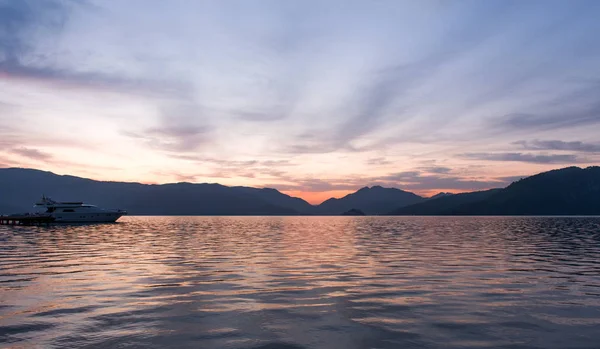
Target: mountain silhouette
[
  {"x": 353, "y": 212},
  {"x": 444, "y": 205},
  {"x": 275, "y": 197},
  {"x": 567, "y": 191},
  {"x": 20, "y": 188},
  {"x": 373, "y": 200},
  {"x": 439, "y": 195}
]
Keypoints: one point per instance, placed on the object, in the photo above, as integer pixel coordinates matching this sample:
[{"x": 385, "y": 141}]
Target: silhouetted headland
[{"x": 353, "y": 212}]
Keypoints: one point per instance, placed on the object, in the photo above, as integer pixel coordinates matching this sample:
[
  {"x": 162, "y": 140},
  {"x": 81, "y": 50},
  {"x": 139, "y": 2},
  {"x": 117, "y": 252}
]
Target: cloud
[
  {"x": 32, "y": 153},
  {"x": 223, "y": 168},
  {"x": 315, "y": 185},
  {"x": 510, "y": 179},
  {"x": 524, "y": 157},
  {"x": 29, "y": 153},
  {"x": 186, "y": 178},
  {"x": 232, "y": 163},
  {"x": 418, "y": 180},
  {"x": 267, "y": 115},
  {"x": 173, "y": 138},
  {"x": 577, "y": 105},
  {"x": 405, "y": 176},
  {"x": 407, "y": 180},
  {"x": 402, "y": 88},
  {"x": 377, "y": 101},
  {"x": 7, "y": 107},
  {"x": 576, "y": 146},
  {"x": 247, "y": 169},
  {"x": 521, "y": 121},
  {"x": 276, "y": 163},
  {"x": 22, "y": 22},
  {"x": 446, "y": 183},
  {"x": 18, "y": 18},
  {"x": 181, "y": 127},
  {"x": 178, "y": 137},
  {"x": 378, "y": 161},
  {"x": 63, "y": 78},
  {"x": 437, "y": 169},
  {"x": 383, "y": 91}
]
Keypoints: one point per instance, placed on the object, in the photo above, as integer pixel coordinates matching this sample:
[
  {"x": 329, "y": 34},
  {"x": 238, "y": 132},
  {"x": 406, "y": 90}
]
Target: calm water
[{"x": 298, "y": 282}]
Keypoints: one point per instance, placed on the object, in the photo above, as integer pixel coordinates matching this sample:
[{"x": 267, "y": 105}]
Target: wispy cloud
[
  {"x": 378, "y": 161},
  {"x": 180, "y": 127},
  {"x": 575, "y": 146},
  {"x": 520, "y": 121},
  {"x": 18, "y": 18},
  {"x": 31, "y": 153},
  {"x": 437, "y": 169},
  {"x": 22, "y": 22},
  {"x": 314, "y": 185},
  {"x": 417, "y": 180},
  {"x": 224, "y": 168},
  {"x": 525, "y": 157},
  {"x": 414, "y": 180}
]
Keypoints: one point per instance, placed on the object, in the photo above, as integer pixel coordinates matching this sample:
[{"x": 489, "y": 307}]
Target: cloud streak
[
  {"x": 525, "y": 157},
  {"x": 23, "y": 21},
  {"x": 575, "y": 146},
  {"x": 31, "y": 153},
  {"x": 414, "y": 180}
]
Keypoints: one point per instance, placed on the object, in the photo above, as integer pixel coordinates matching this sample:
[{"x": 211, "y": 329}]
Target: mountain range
[
  {"x": 373, "y": 200},
  {"x": 568, "y": 191}
]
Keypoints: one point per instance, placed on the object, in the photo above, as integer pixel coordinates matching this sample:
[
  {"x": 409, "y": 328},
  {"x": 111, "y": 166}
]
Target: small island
[{"x": 353, "y": 212}]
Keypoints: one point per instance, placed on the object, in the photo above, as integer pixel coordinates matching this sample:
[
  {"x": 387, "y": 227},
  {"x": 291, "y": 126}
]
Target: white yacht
[{"x": 78, "y": 212}]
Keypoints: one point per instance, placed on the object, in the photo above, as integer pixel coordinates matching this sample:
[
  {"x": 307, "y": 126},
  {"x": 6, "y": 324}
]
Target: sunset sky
[{"x": 314, "y": 98}]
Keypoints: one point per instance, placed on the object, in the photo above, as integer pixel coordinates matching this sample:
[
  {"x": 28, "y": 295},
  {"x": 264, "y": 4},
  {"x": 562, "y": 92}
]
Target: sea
[{"x": 303, "y": 282}]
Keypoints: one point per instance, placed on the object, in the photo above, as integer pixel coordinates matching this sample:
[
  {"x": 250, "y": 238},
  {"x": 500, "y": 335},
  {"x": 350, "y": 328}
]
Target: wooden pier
[{"x": 26, "y": 220}]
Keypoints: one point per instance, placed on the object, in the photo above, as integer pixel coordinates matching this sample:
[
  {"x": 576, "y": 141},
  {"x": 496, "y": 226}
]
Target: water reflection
[{"x": 303, "y": 282}]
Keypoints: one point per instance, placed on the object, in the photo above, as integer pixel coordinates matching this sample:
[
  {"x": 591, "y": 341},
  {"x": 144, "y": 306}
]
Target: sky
[{"x": 314, "y": 98}]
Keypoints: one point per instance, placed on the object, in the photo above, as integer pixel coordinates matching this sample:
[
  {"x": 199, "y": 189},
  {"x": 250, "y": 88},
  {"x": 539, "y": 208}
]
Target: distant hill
[
  {"x": 444, "y": 205},
  {"x": 353, "y": 212},
  {"x": 567, "y": 191},
  {"x": 20, "y": 188},
  {"x": 439, "y": 195},
  {"x": 274, "y": 197},
  {"x": 374, "y": 200}
]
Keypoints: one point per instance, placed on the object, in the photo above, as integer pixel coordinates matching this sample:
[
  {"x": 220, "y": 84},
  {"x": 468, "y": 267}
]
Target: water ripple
[{"x": 303, "y": 282}]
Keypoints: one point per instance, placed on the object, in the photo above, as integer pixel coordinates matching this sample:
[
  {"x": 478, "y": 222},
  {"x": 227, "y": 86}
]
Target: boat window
[
  {"x": 51, "y": 209},
  {"x": 67, "y": 210}
]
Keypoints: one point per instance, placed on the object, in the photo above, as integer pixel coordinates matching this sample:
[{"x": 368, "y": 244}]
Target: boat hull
[{"x": 76, "y": 217}]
